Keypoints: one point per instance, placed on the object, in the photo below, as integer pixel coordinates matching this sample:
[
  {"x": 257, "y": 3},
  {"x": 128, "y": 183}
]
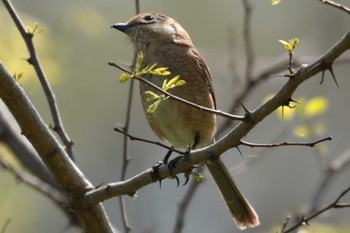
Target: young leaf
[
  {"x": 139, "y": 62},
  {"x": 290, "y": 45},
  {"x": 124, "y": 77},
  {"x": 162, "y": 71},
  {"x": 172, "y": 82},
  {"x": 18, "y": 76},
  {"x": 197, "y": 176},
  {"x": 151, "y": 96},
  {"x": 180, "y": 83},
  {"x": 153, "y": 107}
]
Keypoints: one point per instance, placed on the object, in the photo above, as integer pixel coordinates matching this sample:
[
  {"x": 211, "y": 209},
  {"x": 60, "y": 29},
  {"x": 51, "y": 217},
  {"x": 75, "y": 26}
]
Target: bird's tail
[{"x": 242, "y": 212}]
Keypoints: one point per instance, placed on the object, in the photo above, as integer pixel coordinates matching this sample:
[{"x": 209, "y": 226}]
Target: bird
[{"x": 163, "y": 41}]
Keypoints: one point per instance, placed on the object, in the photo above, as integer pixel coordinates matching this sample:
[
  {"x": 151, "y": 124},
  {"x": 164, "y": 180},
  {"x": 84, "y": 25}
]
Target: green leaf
[
  {"x": 316, "y": 106},
  {"x": 149, "y": 69},
  {"x": 180, "y": 83},
  {"x": 172, "y": 82},
  {"x": 197, "y": 176},
  {"x": 124, "y": 77},
  {"x": 35, "y": 30},
  {"x": 18, "y": 76},
  {"x": 290, "y": 45},
  {"x": 164, "y": 85},
  {"x": 153, "y": 107},
  {"x": 286, "y": 45},
  {"x": 151, "y": 96},
  {"x": 162, "y": 71},
  {"x": 139, "y": 62}
]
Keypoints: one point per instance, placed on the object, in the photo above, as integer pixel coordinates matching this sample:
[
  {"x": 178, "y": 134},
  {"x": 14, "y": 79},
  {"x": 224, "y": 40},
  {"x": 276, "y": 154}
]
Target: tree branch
[
  {"x": 248, "y": 44},
  {"x": 184, "y": 204},
  {"x": 34, "y": 61},
  {"x": 126, "y": 159},
  {"x": 336, "y": 5},
  {"x": 333, "y": 205},
  {"x": 71, "y": 181},
  {"x": 335, "y": 167},
  {"x": 22, "y": 149},
  {"x": 310, "y": 144},
  {"x": 134, "y": 138},
  {"x": 32, "y": 181}
]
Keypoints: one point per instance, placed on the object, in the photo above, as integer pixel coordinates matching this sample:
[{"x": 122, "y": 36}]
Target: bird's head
[{"x": 153, "y": 29}]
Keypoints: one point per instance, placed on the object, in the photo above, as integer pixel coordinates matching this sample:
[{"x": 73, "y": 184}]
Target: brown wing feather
[{"x": 205, "y": 74}]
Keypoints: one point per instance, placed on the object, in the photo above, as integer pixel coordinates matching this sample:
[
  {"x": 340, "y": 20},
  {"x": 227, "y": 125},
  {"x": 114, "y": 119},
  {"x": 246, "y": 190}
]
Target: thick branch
[
  {"x": 68, "y": 176},
  {"x": 34, "y": 60}
]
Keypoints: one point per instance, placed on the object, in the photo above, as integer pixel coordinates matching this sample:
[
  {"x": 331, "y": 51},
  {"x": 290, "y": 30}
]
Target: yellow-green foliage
[{"x": 160, "y": 71}]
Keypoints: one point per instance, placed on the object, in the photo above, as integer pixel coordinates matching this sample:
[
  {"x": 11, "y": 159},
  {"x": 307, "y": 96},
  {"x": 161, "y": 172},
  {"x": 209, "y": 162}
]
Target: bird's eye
[{"x": 150, "y": 18}]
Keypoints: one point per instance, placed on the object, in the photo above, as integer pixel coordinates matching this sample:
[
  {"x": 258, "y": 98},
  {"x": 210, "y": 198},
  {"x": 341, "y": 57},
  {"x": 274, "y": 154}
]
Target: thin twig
[
  {"x": 247, "y": 38},
  {"x": 134, "y": 138},
  {"x": 126, "y": 159},
  {"x": 34, "y": 61},
  {"x": 184, "y": 204},
  {"x": 336, "y": 5},
  {"x": 285, "y": 223},
  {"x": 334, "y": 168},
  {"x": 24, "y": 152},
  {"x": 176, "y": 98},
  {"x": 262, "y": 154},
  {"x": 32, "y": 181},
  {"x": 310, "y": 144},
  {"x": 335, "y": 204}
]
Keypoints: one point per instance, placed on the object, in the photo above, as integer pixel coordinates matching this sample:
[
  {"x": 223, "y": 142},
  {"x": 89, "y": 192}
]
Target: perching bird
[{"x": 164, "y": 42}]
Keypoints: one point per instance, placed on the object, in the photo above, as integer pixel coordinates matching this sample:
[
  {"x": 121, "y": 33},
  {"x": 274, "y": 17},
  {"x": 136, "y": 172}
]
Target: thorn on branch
[
  {"x": 30, "y": 60},
  {"x": 285, "y": 223},
  {"x": 239, "y": 151},
  {"x": 330, "y": 69},
  {"x": 247, "y": 115},
  {"x": 304, "y": 221}
]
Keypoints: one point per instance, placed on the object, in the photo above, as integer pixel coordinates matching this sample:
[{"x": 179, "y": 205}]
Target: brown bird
[{"x": 164, "y": 42}]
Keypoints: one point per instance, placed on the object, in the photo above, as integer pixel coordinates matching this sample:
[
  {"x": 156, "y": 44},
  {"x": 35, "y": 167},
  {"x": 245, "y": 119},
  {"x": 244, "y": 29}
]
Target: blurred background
[{"x": 75, "y": 46}]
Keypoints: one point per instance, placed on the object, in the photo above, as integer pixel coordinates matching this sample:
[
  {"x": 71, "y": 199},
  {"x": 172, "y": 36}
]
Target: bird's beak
[{"x": 123, "y": 27}]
